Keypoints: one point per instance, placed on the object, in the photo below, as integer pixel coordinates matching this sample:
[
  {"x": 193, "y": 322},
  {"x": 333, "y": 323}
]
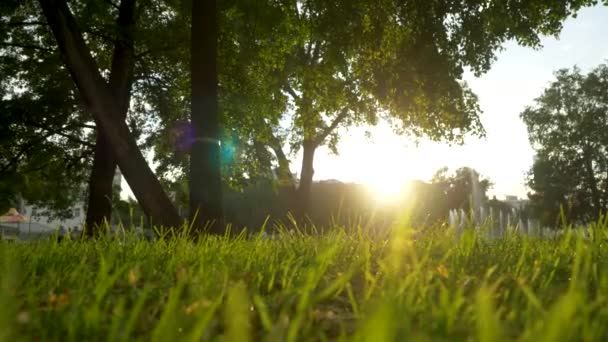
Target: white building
[
  {"x": 515, "y": 202},
  {"x": 43, "y": 215}
]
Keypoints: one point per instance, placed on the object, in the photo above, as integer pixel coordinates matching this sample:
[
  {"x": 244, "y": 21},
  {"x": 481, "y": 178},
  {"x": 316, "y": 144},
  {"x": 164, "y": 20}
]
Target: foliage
[
  {"x": 45, "y": 137},
  {"x": 353, "y": 284},
  {"x": 251, "y": 102},
  {"x": 459, "y": 187},
  {"x": 128, "y": 214},
  {"x": 337, "y": 203},
  {"x": 568, "y": 128},
  {"x": 355, "y": 60},
  {"x": 429, "y": 203}
]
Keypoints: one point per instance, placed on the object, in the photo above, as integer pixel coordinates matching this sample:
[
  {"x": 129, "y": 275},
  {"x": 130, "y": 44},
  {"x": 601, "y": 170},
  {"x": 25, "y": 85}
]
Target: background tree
[
  {"x": 459, "y": 188},
  {"x": 45, "y": 135},
  {"x": 568, "y": 128},
  {"x": 355, "y": 60}
]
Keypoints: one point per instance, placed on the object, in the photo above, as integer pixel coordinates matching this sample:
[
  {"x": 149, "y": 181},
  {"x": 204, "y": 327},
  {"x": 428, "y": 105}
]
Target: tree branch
[
  {"x": 291, "y": 92},
  {"x": 61, "y": 131},
  {"x": 69, "y": 137},
  {"x": 111, "y": 3},
  {"x": 23, "y": 150},
  {"x": 25, "y": 23},
  {"x": 161, "y": 49},
  {"x": 99, "y": 34},
  {"x": 327, "y": 131},
  {"x": 315, "y": 53},
  {"x": 26, "y": 46}
]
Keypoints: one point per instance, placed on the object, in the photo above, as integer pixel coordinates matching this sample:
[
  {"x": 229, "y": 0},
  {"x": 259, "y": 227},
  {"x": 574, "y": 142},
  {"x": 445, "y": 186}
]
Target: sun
[
  {"x": 386, "y": 165},
  {"x": 388, "y": 189}
]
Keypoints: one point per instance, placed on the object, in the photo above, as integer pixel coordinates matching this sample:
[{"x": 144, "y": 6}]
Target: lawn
[{"x": 348, "y": 284}]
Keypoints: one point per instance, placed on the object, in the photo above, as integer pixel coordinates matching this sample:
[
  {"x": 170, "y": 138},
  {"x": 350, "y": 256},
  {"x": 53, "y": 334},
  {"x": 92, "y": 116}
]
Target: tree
[
  {"x": 460, "y": 187},
  {"x": 28, "y": 46},
  {"x": 205, "y": 170},
  {"x": 100, "y": 103},
  {"x": 45, "y": 140},
  {"x": 568, "y": 128},
  {"x": 99, "y": 207},
  {"x": 352, "y": 61}
]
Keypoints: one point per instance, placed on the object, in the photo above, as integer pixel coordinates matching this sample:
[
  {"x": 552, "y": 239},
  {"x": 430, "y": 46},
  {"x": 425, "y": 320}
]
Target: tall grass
[{"x": 345, "y": 284}]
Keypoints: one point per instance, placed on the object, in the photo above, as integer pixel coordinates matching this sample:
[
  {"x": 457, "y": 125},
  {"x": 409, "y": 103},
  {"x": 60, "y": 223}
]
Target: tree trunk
[
  {"x": 99, "y": 208},
  {"x": 99, "y": 101},
  {"x": 284, "y": 172},
  {"x": 206, "y": 210},
  {"x": 305, "y": 187},
  {"x": 605, "y": 195},
  {"x": 595, "y": 195}
]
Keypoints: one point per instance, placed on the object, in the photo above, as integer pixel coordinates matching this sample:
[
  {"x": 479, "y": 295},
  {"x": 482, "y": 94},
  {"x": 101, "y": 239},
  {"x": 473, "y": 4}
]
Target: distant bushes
[{"x": 337, "y": 203}]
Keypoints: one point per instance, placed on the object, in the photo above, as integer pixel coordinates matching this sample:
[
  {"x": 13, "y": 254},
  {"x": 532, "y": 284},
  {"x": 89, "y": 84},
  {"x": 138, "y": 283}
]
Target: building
[
  {"x": 515, "y": 202},
  {"x": 44, "y": 216}
]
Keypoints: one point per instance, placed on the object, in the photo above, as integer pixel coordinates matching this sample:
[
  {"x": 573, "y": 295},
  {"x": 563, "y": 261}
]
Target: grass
[{"x": 351, "y": 285}]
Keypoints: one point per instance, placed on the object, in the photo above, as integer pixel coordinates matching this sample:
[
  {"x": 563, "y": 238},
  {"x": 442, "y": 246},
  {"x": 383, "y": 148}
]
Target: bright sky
[{"x": 517, "y": 77}]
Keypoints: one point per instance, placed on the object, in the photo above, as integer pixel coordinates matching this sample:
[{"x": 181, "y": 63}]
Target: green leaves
[{"x": 568, "y": 127}]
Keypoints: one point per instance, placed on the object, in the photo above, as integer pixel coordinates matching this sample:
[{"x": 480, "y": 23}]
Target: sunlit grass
[{"x": 346, "y": 284}]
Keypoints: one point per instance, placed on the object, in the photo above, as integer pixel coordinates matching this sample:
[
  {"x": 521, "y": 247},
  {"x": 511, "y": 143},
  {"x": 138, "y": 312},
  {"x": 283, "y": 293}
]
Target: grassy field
[{"x": 353, "y": 285}]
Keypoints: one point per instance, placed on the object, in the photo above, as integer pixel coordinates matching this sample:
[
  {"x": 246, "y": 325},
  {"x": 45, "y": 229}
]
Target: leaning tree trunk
[
  {"x": 306, "y": 175},
  {"x": 99, "y": 208},
  {"x": 206, "y": 211},
  {"x": 100, "y": 103}
]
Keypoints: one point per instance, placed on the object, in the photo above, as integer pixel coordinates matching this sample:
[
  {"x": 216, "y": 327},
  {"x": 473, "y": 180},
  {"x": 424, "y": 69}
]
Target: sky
[{"x": 517, "y": 77}]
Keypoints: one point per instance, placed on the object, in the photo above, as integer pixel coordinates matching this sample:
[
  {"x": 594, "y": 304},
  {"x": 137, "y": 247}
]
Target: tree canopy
[
  {"x": 568, "y": 128},
  {"x": 351, "y": 62}
]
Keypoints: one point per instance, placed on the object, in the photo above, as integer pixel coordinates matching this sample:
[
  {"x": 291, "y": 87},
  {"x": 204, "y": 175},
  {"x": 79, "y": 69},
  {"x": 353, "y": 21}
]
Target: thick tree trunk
[
  {"x": 206, "y": 211},
  {"x": 99, "y": 101},
  {"x": 99, "y": 208},
  {"x": 306, "y": 175}
]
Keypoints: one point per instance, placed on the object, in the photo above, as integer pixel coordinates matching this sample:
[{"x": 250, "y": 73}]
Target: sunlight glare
[{"x": 388, "y": 189}]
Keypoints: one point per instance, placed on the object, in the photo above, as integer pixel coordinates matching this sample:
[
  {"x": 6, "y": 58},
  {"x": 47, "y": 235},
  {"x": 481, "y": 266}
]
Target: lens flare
[{"x": 182, "y": 136}]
